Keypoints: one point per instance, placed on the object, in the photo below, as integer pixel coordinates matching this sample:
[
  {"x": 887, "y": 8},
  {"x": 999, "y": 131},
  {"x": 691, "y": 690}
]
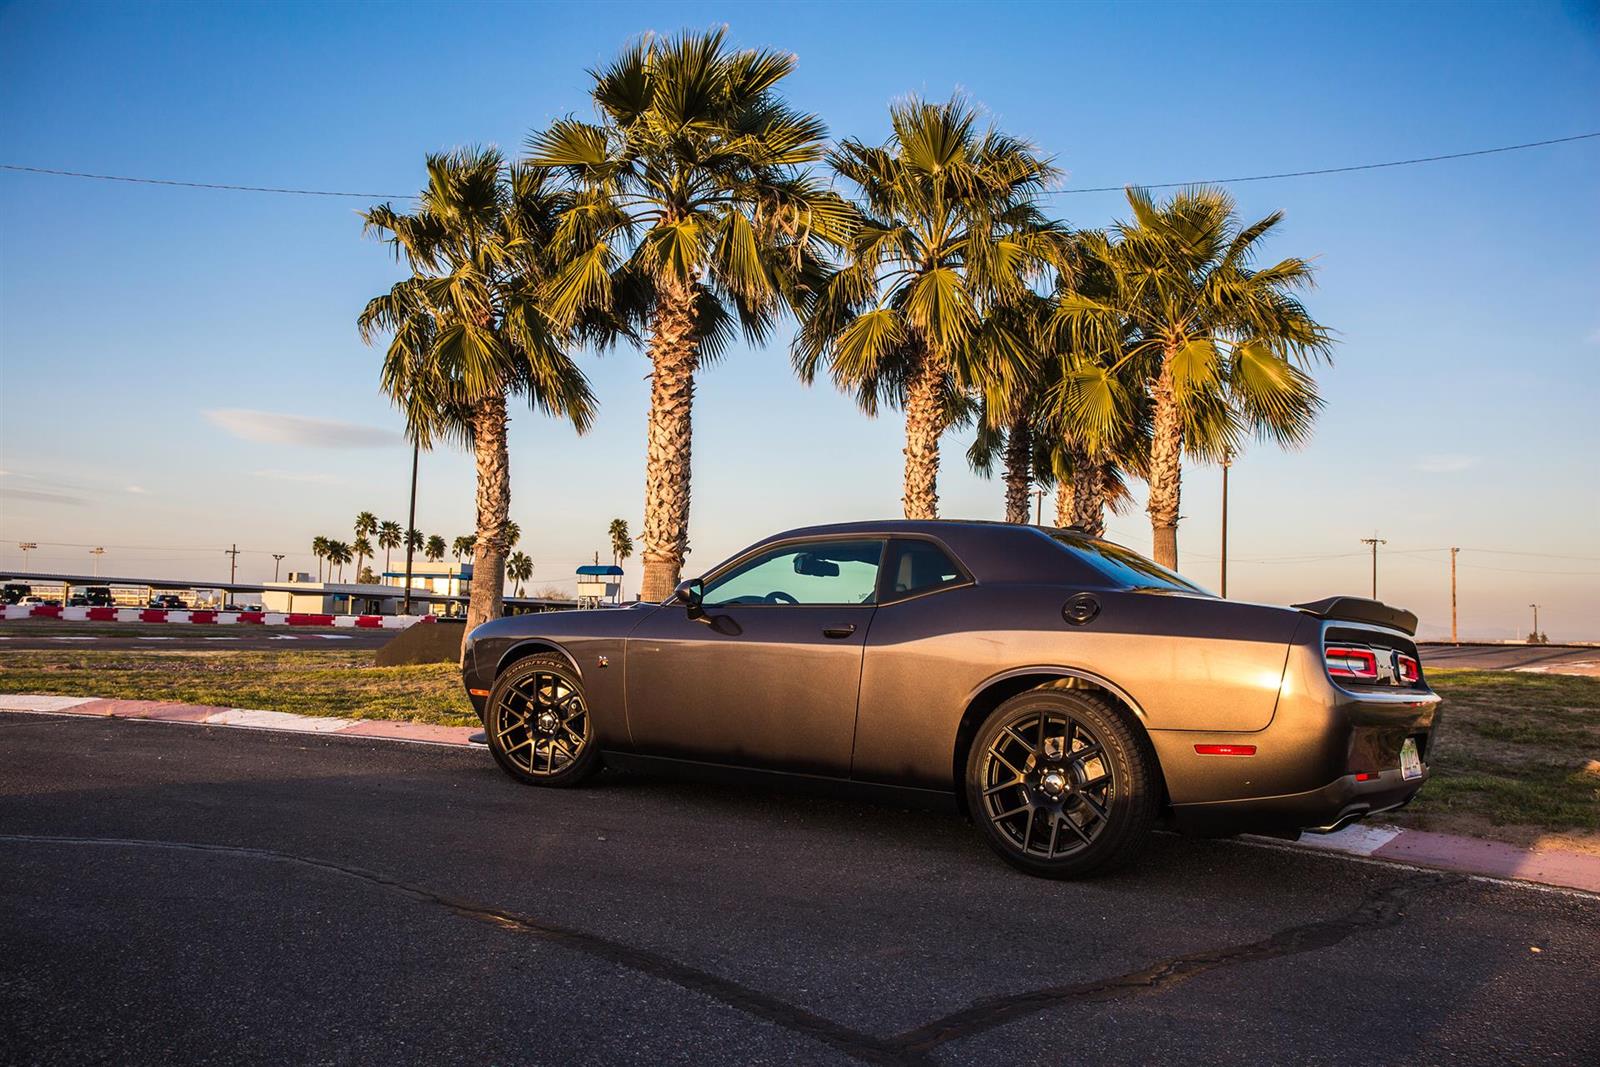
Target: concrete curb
[
  {"x": 244, "y": 718},
  {"x": 1416, "y": 848}
]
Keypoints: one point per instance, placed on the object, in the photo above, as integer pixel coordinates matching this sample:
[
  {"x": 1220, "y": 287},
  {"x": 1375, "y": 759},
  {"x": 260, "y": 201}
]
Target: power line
[
  {"x": 1094, "y": 189},
  {"x": 204, "y": 185},
  {"x": 1337, "y": 170}
]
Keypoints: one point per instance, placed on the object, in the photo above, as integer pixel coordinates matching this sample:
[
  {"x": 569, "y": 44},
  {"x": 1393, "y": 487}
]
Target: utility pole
[
  {"x": 411, "y": 524},
  {"x": 277, "y": 558},
  {"x": 233, "y": 563},
  {"x": 1454, "y": 640},
  {"x": 1227, "y": 461},
  {"x": 1534, "y": 637},
  {"x": 97, "y": 551},
  {"x": 26, "y": 546},
  {"x": 1038, "y": 505},
  {"x": 1374, "y": 542}
]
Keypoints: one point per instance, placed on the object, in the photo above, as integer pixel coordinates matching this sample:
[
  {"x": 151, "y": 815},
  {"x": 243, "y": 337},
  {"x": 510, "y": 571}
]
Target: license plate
[{"x": 1410, "y": 762}]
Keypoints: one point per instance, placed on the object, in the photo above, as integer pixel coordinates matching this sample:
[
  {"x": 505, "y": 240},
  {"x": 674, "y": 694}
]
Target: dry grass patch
[{"x": 306, "y": 683}]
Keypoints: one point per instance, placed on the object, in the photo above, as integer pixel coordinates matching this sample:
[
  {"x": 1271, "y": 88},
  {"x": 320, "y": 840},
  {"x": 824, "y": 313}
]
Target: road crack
[{"x": 1382, "y": 908}]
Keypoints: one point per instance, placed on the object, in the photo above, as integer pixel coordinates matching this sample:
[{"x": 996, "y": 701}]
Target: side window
[
  {"x": 919, "y": 566},
  {"x": 816, "y": 572}
]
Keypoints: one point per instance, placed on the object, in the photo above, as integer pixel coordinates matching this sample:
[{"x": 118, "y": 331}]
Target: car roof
[{"x": 991, "y": 550}]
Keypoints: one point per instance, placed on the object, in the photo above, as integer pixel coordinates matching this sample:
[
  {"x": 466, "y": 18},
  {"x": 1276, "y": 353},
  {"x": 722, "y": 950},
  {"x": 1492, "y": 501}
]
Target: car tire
[
  {"x": 538, "y": 725},
  {"x": 1062, "y": 784}
]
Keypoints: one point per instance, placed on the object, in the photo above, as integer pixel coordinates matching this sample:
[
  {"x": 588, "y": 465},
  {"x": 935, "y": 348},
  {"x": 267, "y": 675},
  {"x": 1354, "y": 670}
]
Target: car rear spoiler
[{"x": 1360, "y": 609}]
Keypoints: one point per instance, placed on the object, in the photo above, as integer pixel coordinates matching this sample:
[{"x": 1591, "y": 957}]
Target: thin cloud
[
  {"x": 1445, "y": 463},
  {"x": 137, "y": 489},
  {"x": 43, "y": 496},
  {"x": 298, "y": 476},
  {"x": 274, "y": 428}
]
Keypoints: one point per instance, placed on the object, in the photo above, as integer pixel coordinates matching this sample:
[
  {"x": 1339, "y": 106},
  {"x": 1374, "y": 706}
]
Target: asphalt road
[
  {"x": 1554, "y": 659},
  {"x": 112, "y": 637},
  {"x": 176, "y": 894}
]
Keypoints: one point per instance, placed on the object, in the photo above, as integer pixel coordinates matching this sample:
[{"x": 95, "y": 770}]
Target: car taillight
[
  {"x": 1357, "y": 664},
  {"x": 1410, "y": 671}
]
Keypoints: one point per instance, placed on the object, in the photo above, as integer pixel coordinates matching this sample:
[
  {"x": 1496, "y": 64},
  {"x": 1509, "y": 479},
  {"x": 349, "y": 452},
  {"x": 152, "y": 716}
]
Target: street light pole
[
  {"x": 26, "y": 546},
  {"x": 1454, "y": 640},
  {"x": 97, "y": 551},
  {"x": 277, "y": 558},
  {"x": 1227, "y": 461},
  {"x": 411, "y": 524},
  {"x": 1535, "y": 635},
  {"x": 1374, "y": 542}
]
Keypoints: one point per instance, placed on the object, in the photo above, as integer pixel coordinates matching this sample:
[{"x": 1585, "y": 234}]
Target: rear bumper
[{"x": 1329, "y": 756}]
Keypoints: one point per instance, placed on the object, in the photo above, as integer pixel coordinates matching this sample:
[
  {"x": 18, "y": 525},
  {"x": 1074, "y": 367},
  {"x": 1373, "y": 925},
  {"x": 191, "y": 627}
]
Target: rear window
[{"x": 1122, "y": 566}]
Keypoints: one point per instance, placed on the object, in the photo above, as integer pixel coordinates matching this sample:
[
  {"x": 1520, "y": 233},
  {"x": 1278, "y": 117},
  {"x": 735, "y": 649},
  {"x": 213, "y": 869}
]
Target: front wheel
[
  {"x": 538, "y": 725},
  {"x": 1061, "y": 784}
]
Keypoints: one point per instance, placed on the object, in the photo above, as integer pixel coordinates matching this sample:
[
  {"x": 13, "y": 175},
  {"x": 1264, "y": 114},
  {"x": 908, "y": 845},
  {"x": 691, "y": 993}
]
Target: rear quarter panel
[{"x": 1185, "y": 662}]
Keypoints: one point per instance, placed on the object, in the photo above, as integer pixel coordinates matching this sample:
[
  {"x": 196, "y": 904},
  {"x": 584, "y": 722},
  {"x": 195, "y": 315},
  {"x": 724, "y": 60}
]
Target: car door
[{"x": 767, "y": 672}]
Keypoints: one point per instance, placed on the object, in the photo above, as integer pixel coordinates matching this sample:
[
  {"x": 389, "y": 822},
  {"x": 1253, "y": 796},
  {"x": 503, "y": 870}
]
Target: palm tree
[
  {"x": 363, "y": 550},
  {"x": 461, "y": 547},
  {"x": 365, "y": 526},
  {"x": 1224, "y": 347},
  {"x": 415, "y": 541},
  {"x": 951, "y": 233},
  {"x": 693, "y": 215},
  {"x": 621, "y": 541},
  {"x": 519, "y": 568},
  {"x": 319, "y": 548},
  {"x": 436, "y": 548},
  {"x": 389, "y": 535},
  {"x": 338, "y": 554},
  {"x": 513, "y": 534},
  {"x": 468, "y": 328}
]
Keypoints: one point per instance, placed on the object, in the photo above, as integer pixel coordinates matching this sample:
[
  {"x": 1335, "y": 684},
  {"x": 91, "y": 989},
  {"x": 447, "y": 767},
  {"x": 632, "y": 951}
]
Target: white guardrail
[{"x": 204, "y": 617}]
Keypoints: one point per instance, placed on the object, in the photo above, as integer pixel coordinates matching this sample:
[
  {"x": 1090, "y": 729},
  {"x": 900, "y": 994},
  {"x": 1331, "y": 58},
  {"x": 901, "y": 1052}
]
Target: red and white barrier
[{"x": 202, "y": 617}]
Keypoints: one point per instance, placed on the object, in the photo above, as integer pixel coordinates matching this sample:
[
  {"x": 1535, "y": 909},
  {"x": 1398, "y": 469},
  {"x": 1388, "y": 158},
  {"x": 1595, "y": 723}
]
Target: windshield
[{"x": 1123, "y": 566}]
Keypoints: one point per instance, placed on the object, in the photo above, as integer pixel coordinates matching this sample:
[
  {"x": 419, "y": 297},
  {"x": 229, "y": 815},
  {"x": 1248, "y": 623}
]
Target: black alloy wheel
[
  {"x": 538, "y": 725},
  {"x": 1061, "y": 784}
]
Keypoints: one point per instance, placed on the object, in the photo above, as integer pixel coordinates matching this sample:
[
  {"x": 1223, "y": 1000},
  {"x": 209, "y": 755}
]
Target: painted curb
[
  {"x": 242, "y": 718},
  {"x": 1417, "y": 848},
  {"x": 200, "y": 617}
]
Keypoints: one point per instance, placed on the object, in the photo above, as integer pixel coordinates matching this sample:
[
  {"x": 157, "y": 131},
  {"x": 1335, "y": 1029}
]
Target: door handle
[{"x": 838, "y": 632}]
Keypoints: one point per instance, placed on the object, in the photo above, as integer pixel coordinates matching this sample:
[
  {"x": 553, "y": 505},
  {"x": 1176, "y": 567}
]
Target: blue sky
[{"x": 157, "y": 346}]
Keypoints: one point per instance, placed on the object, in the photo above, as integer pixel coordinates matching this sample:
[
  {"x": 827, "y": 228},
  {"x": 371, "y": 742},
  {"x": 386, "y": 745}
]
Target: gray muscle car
[{"x": 1065, "y": 692}]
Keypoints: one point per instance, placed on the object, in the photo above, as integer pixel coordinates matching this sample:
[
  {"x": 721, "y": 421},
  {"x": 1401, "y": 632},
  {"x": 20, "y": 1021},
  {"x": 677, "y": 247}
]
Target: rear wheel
[
  {"x": 1061, "y": 784},
  {"x": 538, "y": 724}
]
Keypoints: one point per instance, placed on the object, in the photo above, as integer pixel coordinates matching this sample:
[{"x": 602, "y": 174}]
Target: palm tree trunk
[
  {"x": 1088, "y": 496},
  {"x": 1019, "y": 471},
  {"x": 486, "y": 597},
  {"x": 674, "y": 352},
  {"x": 1166, "y": 466},
  {"x": 924, "y": 424},
  {"x": 1064, "y": 502}
]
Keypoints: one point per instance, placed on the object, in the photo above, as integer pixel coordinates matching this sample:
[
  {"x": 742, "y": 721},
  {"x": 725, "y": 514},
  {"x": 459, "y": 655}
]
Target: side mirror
[{"x": 689, "y": 592}]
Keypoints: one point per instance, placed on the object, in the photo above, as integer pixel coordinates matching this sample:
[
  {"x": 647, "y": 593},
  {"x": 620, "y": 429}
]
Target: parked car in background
[
  {"x": 1066, "y": 692},
  {"x": 168, "y": 601},
  {"x": 14, "y": 592},
  {"x": 99, "y": 596}
]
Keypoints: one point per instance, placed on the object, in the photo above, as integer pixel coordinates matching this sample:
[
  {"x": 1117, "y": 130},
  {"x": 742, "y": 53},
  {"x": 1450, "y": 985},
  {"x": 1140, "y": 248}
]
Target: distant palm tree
[
  {"x": 365, "y": 526},
  {"x": 415, "y": 541},
  {"x": 1223, "y": 346},
  {"x": 621, "y": 541},
  {"x": 952, "y": 231},
  {"x": 692, "y": 217},
  {"x": 363, "y": 550},
  {"x": 519, "y": 568},
  {"x": 468, "y": 328},
  {"x": 436, "y": 548},
  {"x": 461, "y": 547},
  {"x": 513, "y": 534},
  {"x": 338, "y": 554},
  {"x": 319, "y": 548},
  {"x": 389, "y": 539}
]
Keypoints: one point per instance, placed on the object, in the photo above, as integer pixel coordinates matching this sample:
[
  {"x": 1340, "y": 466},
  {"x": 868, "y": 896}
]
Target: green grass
[
  {"x": 1509, "y": 756},
  {"x": 307, "y": 683}
]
